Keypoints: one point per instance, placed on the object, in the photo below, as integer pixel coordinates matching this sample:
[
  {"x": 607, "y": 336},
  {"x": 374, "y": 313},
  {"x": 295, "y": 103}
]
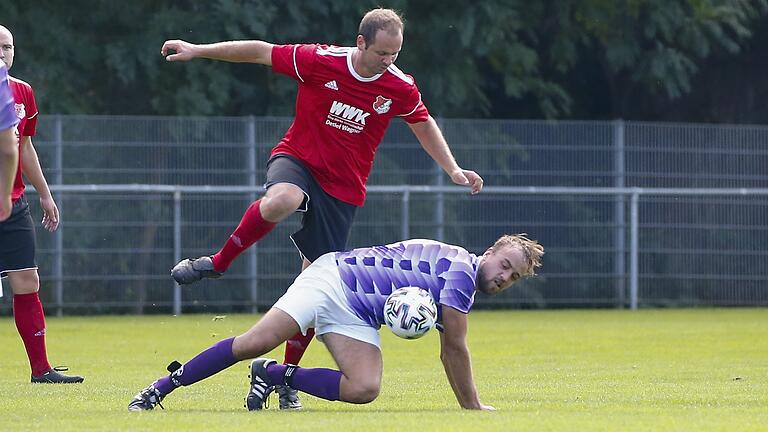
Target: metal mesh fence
[{"x": 114, "y": 249}]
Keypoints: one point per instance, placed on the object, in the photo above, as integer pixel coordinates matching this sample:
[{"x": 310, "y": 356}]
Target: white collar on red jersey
[{"x": 354, "y": 72}]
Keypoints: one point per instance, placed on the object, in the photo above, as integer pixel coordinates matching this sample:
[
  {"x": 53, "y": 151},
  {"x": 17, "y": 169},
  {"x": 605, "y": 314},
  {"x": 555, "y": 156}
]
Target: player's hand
[
  {"x": 468, "y": 178},
  {"x": 5, "y": 208},
  {"x": 50, "y": 214},
  {"x": 184, "y": 51}
]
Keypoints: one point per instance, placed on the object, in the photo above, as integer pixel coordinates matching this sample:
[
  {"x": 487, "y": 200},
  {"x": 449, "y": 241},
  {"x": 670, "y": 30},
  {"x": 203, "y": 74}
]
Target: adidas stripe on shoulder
[
  {"x": 333, "y": 51},
  {"x": 400, "y": 74}
]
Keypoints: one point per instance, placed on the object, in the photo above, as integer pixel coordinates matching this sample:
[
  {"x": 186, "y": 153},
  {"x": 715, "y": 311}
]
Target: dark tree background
[{"x": 667, "y": 60}]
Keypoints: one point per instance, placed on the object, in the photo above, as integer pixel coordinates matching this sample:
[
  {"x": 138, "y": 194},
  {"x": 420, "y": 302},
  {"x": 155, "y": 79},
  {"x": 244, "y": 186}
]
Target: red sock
[
  {"x": 251, "y": 229},
  {"x": 30, "y": 321},
  {"x": 296, "y": 345}
]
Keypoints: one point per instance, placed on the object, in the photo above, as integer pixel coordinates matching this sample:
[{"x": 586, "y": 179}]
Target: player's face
[
  {"x": 500, "y": 269},
  {"x": 6, "y": 48},
  {"x": 378, "y": 56}
]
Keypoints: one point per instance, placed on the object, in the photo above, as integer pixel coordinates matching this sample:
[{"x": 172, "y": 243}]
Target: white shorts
[{"x": 316, "y": 299}]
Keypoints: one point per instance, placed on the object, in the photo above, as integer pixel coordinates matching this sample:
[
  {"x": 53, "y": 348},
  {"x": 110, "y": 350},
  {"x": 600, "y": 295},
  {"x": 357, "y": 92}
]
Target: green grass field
[{"x": 686, "y": 370}]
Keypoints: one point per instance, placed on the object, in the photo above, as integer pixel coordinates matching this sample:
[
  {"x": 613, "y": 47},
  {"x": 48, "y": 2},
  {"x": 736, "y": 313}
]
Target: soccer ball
[{"x": 410, "y": 312}]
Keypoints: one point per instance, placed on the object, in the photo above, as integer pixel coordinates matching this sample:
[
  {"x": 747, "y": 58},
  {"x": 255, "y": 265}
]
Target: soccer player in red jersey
[
  {"x": 346, "y": 99},
  {"x": 17, "y": 233}
]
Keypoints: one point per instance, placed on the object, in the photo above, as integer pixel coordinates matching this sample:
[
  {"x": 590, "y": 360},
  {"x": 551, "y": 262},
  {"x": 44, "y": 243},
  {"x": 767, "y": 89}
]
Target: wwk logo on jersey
[{"x": 346, "y": 117}]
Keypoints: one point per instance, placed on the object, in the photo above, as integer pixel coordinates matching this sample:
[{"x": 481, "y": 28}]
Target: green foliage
[
  {"x": 653, "y": 46},
  {"x": 497, "y": 57}
]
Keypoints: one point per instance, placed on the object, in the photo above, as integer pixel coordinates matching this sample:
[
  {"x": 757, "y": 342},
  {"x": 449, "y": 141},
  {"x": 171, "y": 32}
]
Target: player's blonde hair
[
  {"x": 532, "y": 250},
  {"x": 379, "y": 19}
]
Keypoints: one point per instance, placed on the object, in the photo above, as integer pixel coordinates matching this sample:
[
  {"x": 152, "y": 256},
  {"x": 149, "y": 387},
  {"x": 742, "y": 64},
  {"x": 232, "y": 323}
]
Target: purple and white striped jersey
[
  {"x": 8, "y": 117},
  {"x": 369, "y": 275}
]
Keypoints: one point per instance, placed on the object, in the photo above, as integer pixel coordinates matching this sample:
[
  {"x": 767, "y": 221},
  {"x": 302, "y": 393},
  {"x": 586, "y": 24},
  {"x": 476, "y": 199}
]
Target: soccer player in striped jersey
[
  {"x": 346, "y": 99},
  {"x": 342, "y": 295}
]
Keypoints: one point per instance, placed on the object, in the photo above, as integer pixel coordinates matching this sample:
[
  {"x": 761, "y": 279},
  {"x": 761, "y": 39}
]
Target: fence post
[
  {"x": 58, "y": 236},
  {"x": 176, "y": 248},
  {"x": 405, "y": 229},
  {"x": 634, "y": 242},
  {"x": 253, "y": 262},
  {"x": 619, "y": 217}
]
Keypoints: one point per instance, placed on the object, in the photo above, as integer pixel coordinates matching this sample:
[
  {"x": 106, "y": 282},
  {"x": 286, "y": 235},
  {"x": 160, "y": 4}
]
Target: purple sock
[
  {"x": 276, "y": 373},
  {"x": 320, "y": 382},
  {"x": 209, "y": 362}
]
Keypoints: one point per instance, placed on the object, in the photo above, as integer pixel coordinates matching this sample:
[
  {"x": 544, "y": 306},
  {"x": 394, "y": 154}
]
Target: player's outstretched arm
[
  {"x": 431, "y": 139},
  {"x": 252, "y": 51},
  {"x": 454, "y": 354}
]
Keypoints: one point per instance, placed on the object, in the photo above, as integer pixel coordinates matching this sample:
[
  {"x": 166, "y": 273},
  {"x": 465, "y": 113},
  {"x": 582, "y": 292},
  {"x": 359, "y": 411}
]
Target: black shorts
[
  {"x": 326, "y": 222},
  {"x": 17, "y": 239}
]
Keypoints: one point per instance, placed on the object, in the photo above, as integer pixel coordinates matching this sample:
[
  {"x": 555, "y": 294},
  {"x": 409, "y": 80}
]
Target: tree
[
  {"x": 640, "y": 51},
  {"x": 498, "y": 58}
]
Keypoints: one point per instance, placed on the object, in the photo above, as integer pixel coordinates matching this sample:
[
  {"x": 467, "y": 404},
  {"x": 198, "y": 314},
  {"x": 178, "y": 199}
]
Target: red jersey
[
  {"x": 341, "y": 116},
  {"x": 26, "y": 111}
]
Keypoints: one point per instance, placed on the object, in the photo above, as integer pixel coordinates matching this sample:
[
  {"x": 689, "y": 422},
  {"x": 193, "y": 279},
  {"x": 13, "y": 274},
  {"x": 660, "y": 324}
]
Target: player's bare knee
[
  {"x": 366, "y": 394},
  {"x": 371, "y": 393},
  {"x": 24, "y": 282},
  {"x": 364, "y": 391},
  {"x": 280, "y": 205}
]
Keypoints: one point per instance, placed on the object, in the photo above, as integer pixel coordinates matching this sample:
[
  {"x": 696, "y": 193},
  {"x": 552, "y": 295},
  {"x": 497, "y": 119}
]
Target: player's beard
[{"x": 482, "y": 283}]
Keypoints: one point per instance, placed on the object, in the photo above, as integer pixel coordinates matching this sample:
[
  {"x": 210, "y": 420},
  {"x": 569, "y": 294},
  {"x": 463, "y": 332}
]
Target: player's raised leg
[
  {"x": 280, "y": 201},
  {"x": 272, "y": 330}
]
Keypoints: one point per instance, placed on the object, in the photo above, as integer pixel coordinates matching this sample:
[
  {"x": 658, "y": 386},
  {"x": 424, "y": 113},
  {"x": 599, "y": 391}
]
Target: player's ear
[{"x": 360, "y": 42}]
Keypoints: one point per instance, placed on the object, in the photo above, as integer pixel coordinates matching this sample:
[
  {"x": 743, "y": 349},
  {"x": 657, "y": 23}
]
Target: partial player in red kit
[
  {"x": 17, "y": 233},
  {"x": 9, "y": 145},
  {"x": 346, "y": 99}
]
